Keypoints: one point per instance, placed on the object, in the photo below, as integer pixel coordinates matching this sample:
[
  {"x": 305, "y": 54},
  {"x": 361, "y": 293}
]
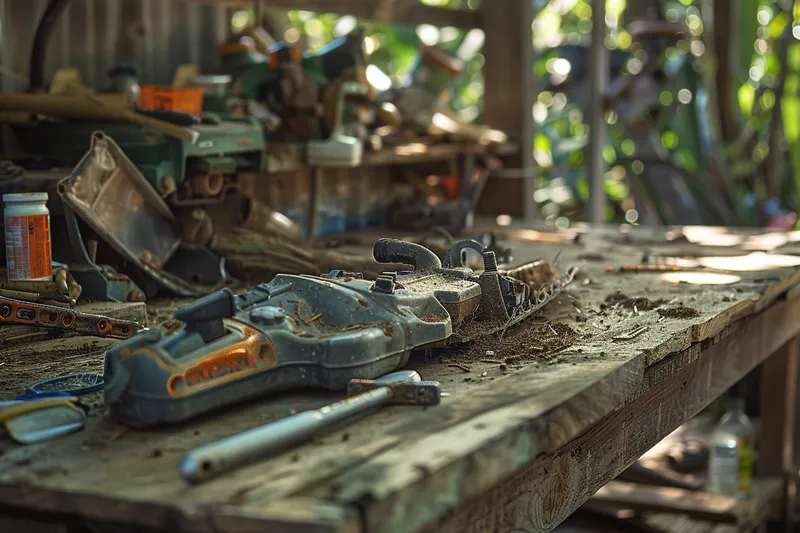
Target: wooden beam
[
  {"x": 545, "y": 493},
  {"x": 700, "y": 505},
  {"x": 508, "y": 103},
  {"x": 403, "y": 468},
  {"x": 397, "y": 11},
  {"x": 778, "y": 408}
]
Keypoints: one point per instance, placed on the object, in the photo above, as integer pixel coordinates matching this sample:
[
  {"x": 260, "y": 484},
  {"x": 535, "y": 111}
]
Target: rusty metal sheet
[{"x": 108, "y": 192}]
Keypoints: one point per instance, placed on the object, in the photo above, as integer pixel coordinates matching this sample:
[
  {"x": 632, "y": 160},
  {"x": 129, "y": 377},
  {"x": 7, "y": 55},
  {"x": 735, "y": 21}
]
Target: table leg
[{"x": 778, "y": 401}]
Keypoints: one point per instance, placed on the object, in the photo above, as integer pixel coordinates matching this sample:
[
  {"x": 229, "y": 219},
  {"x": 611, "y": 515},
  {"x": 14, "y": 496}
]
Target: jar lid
[{"x": 25, "y": 197}]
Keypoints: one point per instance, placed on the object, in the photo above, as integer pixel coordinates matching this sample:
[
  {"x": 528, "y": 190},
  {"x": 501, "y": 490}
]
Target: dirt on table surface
[
  {"x": 620, "y": 299},
  {"x": 27, "y": 363},
  {"x": 43, "y": 355},
  {"x": 528, "y": 342},
  {"x": 678, "y": 312}
]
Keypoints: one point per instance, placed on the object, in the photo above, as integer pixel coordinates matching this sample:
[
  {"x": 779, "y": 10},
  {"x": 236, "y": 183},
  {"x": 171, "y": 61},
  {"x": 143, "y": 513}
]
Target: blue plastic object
[{"x": 74, "y": 385}]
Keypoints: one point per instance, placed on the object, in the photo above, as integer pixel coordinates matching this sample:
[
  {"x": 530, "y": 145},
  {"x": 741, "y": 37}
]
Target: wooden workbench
[{"x": 532, "y": 427}]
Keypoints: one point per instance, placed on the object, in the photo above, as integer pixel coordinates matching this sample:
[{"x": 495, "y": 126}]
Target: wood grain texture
[
  {"x": 778, "y": 415},
  {"x": 531, "y": 441},
  {"x": 695, "y": 504},
  {"x": 555, "y": 484}
]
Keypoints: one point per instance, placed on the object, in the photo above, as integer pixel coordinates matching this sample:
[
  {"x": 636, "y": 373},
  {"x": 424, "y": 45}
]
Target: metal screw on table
[{"x": 404, "y": 387}]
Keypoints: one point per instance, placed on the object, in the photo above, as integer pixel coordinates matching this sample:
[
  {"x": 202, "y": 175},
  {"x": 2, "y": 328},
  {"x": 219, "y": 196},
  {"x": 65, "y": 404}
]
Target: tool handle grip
[{"x": 211, "y": 460}]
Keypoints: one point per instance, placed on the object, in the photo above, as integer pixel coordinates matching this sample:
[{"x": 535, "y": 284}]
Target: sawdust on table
[
  {"x": 620, "y": 299},
  {"x": 26, "y": 364},
  {"x": 678, "y": 312},
  {"x": 592, "y": 256},
  {"x": 527, "y": 342}
]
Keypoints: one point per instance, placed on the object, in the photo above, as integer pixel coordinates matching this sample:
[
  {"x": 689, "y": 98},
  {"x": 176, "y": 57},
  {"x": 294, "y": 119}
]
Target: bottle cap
[{"x": 19, "y": 197}]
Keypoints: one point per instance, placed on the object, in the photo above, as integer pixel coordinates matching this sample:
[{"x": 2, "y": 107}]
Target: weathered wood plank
[
  {"x": 290, "y": 157},
  {"x": 695, "y": 504},
  {"x": 396, "y": 11},
  {"x": 555, "y": 484},
  {"x": 285, "y": 516},
  {"x": 417, "y": 465},
  {"x": 778, "y": 414}
]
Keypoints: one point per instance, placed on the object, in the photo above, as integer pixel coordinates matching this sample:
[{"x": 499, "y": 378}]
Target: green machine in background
[
  {"x": 300, "y": 88},
  {"x": 194, "y": 172},
  {"x": 184, "y": 172}
]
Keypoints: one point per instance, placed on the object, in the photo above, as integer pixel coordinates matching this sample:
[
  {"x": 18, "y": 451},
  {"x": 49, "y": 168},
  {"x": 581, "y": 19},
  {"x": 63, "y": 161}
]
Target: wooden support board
[
  {"x": 529, "y": 432},
  {"x": 397, "y": 11},
  {"x": 289, "y": 157},
  {"x": 699, "y": 505}
]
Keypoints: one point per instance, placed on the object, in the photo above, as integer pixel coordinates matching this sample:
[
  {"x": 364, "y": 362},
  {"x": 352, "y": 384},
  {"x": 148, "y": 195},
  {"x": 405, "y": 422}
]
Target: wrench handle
[{"x": 211, "y": 460}]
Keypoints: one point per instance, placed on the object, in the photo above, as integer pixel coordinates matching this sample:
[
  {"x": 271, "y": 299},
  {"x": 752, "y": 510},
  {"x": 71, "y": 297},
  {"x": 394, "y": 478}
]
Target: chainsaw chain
[
  {"x": 546, "y": 293},
  {"x": 537, "y": 300},
  {"x": 50, "y": 316}
]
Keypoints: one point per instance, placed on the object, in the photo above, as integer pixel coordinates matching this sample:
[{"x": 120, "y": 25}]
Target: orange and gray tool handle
[{"x": 50, "y": 316}]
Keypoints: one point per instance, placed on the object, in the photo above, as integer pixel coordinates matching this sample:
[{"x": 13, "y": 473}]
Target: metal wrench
[{"x": 403, "y": 388}]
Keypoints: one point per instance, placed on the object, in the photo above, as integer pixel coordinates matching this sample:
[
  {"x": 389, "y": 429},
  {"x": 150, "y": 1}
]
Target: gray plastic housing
[{"x": 297, "y": 332}]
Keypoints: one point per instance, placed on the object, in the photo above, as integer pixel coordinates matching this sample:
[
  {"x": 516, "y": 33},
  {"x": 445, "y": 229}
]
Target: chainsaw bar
[
  {"x": 538, "y": 299},
  {"x": 50, "y": 316}
]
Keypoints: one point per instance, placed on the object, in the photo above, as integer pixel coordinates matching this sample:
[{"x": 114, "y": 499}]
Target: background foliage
[{"x": 707, "y": 130}]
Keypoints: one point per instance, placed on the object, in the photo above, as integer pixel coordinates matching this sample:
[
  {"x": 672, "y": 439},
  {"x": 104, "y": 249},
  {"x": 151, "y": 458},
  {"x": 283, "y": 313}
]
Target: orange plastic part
[
  {"x": 31, "y": 253},
  {"x": 166, "y": 97},
  {"x": 230, "y": 362}
]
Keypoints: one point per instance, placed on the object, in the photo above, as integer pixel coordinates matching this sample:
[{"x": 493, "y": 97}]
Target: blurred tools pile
[{"x": 168, "y": 182}]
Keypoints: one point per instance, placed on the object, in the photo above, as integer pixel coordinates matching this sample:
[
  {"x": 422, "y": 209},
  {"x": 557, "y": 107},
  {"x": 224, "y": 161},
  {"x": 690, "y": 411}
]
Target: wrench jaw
[{"x": 420, "y": 393}]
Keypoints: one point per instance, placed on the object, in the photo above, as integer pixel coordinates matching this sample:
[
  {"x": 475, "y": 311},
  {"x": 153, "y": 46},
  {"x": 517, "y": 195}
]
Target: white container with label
[{"x": 27, "y": 229}]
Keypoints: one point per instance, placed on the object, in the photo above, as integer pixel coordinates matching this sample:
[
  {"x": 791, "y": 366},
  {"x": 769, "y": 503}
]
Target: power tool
[
  {"x": 189, "y": 166},
  {"x": 313, "y": 331}
]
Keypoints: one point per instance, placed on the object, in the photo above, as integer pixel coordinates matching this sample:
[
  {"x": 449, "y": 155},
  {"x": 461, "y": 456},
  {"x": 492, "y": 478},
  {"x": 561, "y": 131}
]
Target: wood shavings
[
  {"x": 312, "y": 318},
  {"x": 461, "y": 367}
]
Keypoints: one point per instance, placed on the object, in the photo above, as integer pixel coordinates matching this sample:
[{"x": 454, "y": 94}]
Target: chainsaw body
[{"x": 303, "y": 331}]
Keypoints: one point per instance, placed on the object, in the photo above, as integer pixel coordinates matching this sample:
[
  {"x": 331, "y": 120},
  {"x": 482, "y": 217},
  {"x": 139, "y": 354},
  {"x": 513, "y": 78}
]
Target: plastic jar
[{"x": 27, "y": 225}]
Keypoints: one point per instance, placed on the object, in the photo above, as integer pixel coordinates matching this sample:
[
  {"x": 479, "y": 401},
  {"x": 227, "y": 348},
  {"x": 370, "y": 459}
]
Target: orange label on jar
[{"x": 28, "y": 247}]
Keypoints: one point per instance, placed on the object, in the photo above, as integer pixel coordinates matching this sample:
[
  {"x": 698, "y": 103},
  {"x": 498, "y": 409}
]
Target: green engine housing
[{"x": 226, "y": 145}]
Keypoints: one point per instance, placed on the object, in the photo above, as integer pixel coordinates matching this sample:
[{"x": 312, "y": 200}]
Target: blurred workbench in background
[{"x": 535, "y": 423}]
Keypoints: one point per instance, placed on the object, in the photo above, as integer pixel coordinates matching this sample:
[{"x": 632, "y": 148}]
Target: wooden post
[
  {"x": 598, "y": 75},
  {"x": 779, "y": 375},
  {"x": 508, "y": 102},
  {"x": 258, "y": 9},
  {"x": 7, "y": 83}
]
